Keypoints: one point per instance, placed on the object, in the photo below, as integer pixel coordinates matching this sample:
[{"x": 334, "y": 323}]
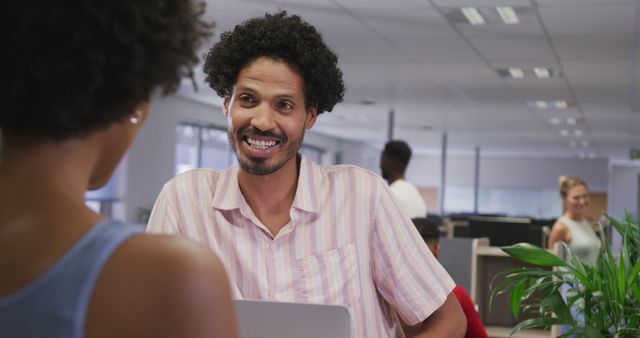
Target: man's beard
[{"x": 257, "y": 165}]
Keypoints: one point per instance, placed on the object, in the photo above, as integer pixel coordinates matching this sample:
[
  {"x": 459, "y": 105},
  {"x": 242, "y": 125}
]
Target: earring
[{"x": 135, "y": 119}]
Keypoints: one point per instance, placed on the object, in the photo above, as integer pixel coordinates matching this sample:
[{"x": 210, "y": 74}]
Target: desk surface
[{"x": 503, "y": 332}]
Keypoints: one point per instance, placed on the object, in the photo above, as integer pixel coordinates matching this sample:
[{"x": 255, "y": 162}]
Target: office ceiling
[{"x": 438, "y": 73}]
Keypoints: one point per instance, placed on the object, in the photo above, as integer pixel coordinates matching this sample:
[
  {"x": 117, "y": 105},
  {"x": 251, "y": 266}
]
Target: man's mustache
[{"x": 253, "y": 131}]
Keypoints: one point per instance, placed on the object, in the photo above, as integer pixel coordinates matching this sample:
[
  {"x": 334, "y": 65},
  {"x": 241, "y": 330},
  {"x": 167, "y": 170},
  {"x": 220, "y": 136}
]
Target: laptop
[{"x": 267, "y": 319}]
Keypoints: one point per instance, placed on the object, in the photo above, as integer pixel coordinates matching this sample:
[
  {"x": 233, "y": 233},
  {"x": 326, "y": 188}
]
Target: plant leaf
[
  {"x": 590, "y": 332},
  {"x": 633, "y": 275},
  {"x": 533, "y": 255},
  {"x": 556, "y": 304},
  {"x": 516, "y": 295},
  {"x": 534, "y": 323}
]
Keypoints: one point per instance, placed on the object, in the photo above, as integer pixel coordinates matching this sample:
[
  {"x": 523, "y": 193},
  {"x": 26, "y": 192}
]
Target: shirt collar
[
  {"x": 311, "y": 188},
  {"x": 309, "y": 193},
  {"x": 226, "y": 193}
]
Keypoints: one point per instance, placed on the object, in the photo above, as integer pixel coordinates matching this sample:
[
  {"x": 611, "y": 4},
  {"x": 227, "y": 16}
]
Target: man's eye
[
  {"x": 246, "y": 99},
  {"x": 285, "y": 105}
]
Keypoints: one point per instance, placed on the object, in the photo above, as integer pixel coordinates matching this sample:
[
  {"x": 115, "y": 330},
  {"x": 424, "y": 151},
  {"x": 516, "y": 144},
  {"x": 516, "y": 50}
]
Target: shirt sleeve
[
  {"x": 163, "y": 218},
  {"x": 405, "y": 272}
]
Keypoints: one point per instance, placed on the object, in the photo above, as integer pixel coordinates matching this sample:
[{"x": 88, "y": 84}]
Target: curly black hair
[
  {"x": 74, "y": 66},
  {"x": 283, "y": 38}
]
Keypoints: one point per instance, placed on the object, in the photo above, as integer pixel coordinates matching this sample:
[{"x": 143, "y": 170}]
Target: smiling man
[{"x": 286, "y": 228}]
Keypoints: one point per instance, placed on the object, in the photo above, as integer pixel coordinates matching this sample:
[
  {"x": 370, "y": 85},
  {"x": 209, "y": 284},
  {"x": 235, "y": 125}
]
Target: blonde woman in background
[{"x": 573, "y": 227}]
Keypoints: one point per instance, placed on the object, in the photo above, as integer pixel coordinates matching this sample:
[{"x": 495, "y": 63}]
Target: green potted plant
[{"x": 602, "y": 300}]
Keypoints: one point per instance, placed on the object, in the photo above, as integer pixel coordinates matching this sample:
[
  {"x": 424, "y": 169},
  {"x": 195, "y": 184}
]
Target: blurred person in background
[
  {"x": 393, "y": 163},
  {"x": 573, "y": 228}
]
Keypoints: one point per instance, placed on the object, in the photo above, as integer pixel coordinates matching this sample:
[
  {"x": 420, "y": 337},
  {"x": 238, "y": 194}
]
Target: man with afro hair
[{"x": 286, "y": 228}]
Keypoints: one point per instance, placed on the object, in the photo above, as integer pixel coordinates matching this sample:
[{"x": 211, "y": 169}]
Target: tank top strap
[{"x": 55, "y": 304}]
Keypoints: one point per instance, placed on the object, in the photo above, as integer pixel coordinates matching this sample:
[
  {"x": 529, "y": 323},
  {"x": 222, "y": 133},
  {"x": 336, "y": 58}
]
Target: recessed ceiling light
[
  {"x": 542, "y": 73},
  {"x": 516, "y": 73},
  {"x": 585, "y": 144},
  {"x": 473, "y": 15},
  {"x": 571, "y": 121},
  {"x": 564, "y": 132},
  {"x": 554, "y": 120},
  {"x": 577, "y": 132},
  {"x": 561, "y": 104},
  {"x": 508, "y": 15},
  {"x": 542, "y": 104},
  {"x": 573, "y": 144}
]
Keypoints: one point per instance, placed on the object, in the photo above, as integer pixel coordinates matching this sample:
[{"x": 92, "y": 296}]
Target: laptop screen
[{"x": 267, "y": 319}]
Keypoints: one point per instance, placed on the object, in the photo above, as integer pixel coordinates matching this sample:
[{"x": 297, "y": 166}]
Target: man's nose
[{"x": 263, "y": 118}]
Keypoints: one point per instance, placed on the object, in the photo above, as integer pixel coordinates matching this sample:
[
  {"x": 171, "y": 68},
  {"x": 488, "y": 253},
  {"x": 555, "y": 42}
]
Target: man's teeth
[{"x": 260, "y": 144}]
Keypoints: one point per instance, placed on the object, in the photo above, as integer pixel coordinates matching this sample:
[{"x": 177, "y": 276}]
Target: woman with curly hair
[
  {"x": 289, "y": 229},
  {"x": 77, "y": 78}
]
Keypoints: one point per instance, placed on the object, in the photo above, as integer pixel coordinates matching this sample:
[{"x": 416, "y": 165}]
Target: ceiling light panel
[
  {"x": 473, "y": 16},
  {"x": 508, "y": 15},
  {"x": 516, "y": 73},
  {"x": 542, "y": 73},
  {"x": 521, "y": 73},
  {"x": 479, "y": 14},
  {"x": 540, "y": 104}
]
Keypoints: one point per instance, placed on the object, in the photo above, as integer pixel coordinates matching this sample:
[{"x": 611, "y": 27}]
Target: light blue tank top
[
  {"x": 55, "y": 305},
  {"x": 584, "y": 242}
]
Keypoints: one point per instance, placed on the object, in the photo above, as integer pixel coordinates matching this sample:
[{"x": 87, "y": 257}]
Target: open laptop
[{"x": 266, "y": 319}]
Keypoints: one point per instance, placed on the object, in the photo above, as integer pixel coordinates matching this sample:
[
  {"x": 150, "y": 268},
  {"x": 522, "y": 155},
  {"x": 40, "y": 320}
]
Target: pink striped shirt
[{"x": 347, "y": 243}]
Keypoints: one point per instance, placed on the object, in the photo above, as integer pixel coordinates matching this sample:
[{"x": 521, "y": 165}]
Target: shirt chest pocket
[{"x": 331, "y": 277}]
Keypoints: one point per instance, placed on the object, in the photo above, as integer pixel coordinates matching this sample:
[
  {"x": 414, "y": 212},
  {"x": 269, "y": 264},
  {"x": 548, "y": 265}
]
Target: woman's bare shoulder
[{"x": 161, "y": 286}]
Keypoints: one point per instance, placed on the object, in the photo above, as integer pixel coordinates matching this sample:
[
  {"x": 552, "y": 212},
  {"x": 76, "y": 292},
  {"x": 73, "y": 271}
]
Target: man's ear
[
  {"x": 312, "y": 114},
  {"x": 225, "y": 106}
]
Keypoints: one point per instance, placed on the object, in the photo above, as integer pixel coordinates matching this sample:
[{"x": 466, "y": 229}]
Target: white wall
[
  {"x": 507, "y": 172},
  {"x": 623, "y": 190},
  {"x": 360, "y": 154}
]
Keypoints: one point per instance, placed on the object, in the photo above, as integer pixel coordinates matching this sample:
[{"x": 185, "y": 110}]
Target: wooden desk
[{"x": 486, "y": 262}]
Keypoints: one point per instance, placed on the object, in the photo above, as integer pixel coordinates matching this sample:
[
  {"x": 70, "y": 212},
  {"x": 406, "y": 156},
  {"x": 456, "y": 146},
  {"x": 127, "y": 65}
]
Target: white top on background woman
[{"x": 572, "y": 228}]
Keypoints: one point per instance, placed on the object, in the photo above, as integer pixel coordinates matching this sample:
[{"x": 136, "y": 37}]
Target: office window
[
  {"x": 539, "y": 203},
  {"x": 215, "y": 151},
  {"x": 107, "y": 199},
  {"x": 200, "y": 146}
]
